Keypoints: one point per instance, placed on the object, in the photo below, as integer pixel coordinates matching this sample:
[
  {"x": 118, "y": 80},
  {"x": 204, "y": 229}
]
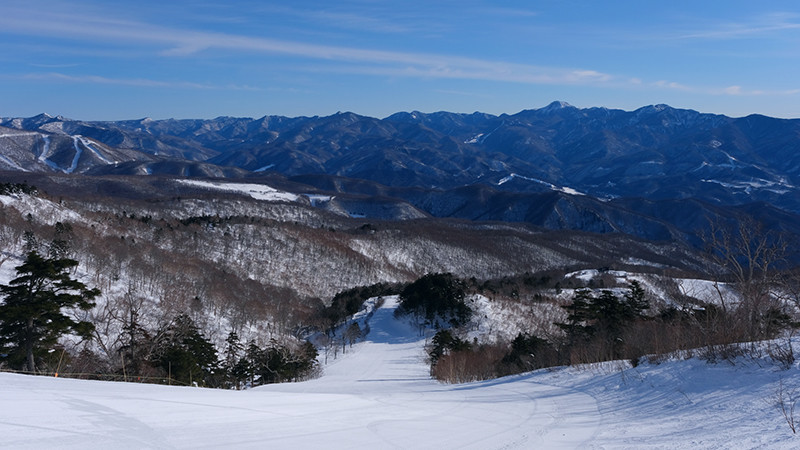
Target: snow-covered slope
[{"x": 379, "y": 395}]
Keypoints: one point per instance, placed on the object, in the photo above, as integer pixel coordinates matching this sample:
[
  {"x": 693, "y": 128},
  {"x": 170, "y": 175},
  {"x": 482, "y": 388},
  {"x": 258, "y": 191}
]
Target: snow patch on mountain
[
  {"x": 44, "y": 210},
  {"x": 12, "y": 164},
  {"x": 265, "y": 168},
  {"x": 78, "y": 153},
  {"x": 708, "y": 291},
  {"x": 780, "y": 187},
  {"x": 45, "y": 152},
  {"x": 318, "y": 199},
  {"x": 90, "y": 145},
  {"x": 477, "y": 139},
  {"x": 256, "y": 191},
  {"x": 13, "y": 135},
  {"x": 53, "y": 127},
  {"x": 564, "y": 189},
  {"x": 555, "y": 107}
]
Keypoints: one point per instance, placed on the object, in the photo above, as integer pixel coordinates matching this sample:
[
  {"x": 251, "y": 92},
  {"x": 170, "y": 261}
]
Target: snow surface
[
  {"x": 78, "y": 153},
  {"x": 318, "y": 199},
  {"x": 12, "y": 164},
  {"x": 14, "y": 135},
  {"x": 257, "y": 191},
  {"x": 46, "y": 211},
  {"x": 265, "y": 168},
  {"x": 564, "y": 189},
  {"x": 379, "y": 395},
  {"x": 90, "y": 145},
  {"x": 45, "y": 151}
]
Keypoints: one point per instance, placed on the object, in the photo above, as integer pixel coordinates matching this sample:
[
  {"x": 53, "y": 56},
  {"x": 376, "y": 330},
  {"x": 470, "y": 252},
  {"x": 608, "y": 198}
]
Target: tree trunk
[{"x": 30, "y": 366}]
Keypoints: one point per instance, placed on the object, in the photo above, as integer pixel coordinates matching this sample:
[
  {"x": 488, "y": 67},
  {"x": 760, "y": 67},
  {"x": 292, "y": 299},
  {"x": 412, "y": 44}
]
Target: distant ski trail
[
  {"x": 13, "y": 164},
  {"x": 78, "y": 153},
  {"x": 88, "y": 144},
  {"x": 46, "y": 151}
]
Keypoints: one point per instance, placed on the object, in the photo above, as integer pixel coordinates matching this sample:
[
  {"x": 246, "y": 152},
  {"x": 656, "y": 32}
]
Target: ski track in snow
[
  {"x": 565, "y": 189},
  {"x": 12, "y": 164},
  {"x": 13, "y": 135},
  {"x": 379, "y": 396},
  {"x": 88, "y": 144},
  {"x": 78, "y": 153},
  {"x": 46, "y": 151}
]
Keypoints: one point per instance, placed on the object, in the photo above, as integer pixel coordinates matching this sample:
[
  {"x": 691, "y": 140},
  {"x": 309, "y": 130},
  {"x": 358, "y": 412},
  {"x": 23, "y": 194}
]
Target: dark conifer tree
[
  {"x": 32, "y": 316},
  {"x": 579, "y": 313},
  {"x": 185, "y": 353},
  {"x": 234, "y": 371},
  {"x": 436, "y": 296}
]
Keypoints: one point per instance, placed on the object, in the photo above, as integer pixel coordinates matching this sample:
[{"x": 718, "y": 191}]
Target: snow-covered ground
[
  {"x": 379, "y": 395},
  {"x": 256, "y": 191}
]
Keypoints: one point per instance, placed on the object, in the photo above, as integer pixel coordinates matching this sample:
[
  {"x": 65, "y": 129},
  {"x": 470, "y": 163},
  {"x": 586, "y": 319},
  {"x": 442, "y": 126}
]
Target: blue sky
[{"x": 101, "y": 60}]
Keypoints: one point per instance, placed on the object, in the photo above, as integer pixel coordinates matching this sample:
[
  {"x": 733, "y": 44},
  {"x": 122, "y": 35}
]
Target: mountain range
[{"x": 657, "y": 172}]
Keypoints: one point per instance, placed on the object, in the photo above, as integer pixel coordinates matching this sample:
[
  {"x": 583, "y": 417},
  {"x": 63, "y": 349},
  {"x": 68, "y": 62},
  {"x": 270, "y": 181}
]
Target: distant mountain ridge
[{"x": 656, "y": 153}]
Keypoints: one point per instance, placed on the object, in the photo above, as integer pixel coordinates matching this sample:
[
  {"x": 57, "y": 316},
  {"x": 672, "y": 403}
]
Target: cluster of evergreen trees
[
  {"x": 252, "y": 365},
  {"x": 437, "y": 300},
  {"x": 17, "y": 188},
  {"x": 597, "y": 324},
  {"x": 604, "y": 317},
  {"x": 38, "y": 308},
  {"x": 348, "y": 302}
]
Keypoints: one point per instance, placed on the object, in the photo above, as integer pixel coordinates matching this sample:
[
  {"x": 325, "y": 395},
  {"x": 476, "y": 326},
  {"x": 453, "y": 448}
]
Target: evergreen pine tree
[
  {"x": 32, "y": 316},
  {"x": 635, "y": 298},
  {"x": 231, "y": 362},
  {"x": 579, "y": 312},
  {"x": 185, "y": 353}
]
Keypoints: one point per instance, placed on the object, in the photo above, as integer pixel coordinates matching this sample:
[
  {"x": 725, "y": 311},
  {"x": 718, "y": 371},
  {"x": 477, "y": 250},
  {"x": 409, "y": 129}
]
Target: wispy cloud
[
  {"x": 170, "y": 42},
  {"x": 187, "y": 43},
  {"x": 509, "y": 12},
  {"x": 464, "y": 93},
  {"x": 95, "y": 79},
  {"x": 478, "y": 71},
  {"x": 759, "y": 26},
  {"x": 734, "y": 90},
  {"x": 134, "y": 82},
  {"x": 54, "y": 66},
  {"x": 348, "y": 20}
]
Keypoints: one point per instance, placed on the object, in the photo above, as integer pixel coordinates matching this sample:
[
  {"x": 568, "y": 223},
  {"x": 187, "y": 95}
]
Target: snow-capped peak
[{"x": 556, "y": 106}]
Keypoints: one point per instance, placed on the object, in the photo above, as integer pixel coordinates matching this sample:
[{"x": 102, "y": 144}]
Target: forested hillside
[{"x": 264, "y": 266}]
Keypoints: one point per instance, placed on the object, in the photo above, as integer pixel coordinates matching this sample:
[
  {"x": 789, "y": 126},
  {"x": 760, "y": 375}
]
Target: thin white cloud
[
  {"x": 54, "y": 66},
  {"x": 96, "y": 79},
  {"x": 464, "y": 93},
  {"x": 509, "y": 12},
  {"x": 186, "y": 43},
  {"x": 589, "y": 76},
  {"x": 672, "y": 85},
  {"x": 133, "y": 82},
  {"x": 173, "y": 42},
  {"x": 501, "y": 72},
  {"x": 353, "y": 21},
  {"x": 734, "y": 90},
  {"x": 759, "y": 26}
]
